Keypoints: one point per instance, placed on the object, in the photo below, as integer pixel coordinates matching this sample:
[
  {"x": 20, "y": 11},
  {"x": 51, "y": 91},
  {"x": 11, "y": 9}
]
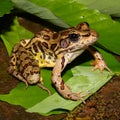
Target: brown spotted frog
[{"x": 54, "y": 49}]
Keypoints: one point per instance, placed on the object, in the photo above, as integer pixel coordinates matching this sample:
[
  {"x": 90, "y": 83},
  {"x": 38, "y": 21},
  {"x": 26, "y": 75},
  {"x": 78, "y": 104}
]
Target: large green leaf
[
  {"x": 35, "y": 99},
  {"x": 83, "y": 80},
  {"x": 39, "y": 11},
  {"x": 5, "y": 7},
  {"x": 73, "y": 12},
  {"x": 110, "y": 7}
]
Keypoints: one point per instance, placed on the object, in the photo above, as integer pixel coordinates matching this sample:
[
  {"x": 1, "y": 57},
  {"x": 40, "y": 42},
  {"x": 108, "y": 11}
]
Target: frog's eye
[{"x": 74, "y": 37}]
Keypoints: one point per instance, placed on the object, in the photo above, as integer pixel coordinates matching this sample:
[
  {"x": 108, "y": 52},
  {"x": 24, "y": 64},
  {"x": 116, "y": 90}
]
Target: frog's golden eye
[{"x": 74, "y": 37}]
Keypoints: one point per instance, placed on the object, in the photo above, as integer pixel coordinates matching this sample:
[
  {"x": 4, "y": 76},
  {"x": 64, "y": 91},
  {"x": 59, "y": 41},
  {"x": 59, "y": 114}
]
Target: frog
[{"x": 56, "y": 50}]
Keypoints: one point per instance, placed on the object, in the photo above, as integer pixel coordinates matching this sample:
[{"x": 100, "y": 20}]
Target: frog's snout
[{"x": 94, "y": 33}]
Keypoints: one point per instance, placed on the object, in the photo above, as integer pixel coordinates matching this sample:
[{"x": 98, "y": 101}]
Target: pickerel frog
[{"x": 54, "y": 49}]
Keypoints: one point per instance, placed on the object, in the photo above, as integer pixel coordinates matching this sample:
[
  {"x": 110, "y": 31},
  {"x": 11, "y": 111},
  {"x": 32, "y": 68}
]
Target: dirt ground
[{"x": 103, "y": 105}]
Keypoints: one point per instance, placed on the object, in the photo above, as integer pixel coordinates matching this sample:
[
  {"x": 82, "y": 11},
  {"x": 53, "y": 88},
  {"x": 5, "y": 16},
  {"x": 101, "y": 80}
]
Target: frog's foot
[
  {"x": 26, "y": 84},
  {"x": 44, "y": 88},
  {"x": 77, "y": 96},
  {"x": 100, "y": 64},
  {"x": 73, "y": 95},
  {"x": 66, "y": 92}
]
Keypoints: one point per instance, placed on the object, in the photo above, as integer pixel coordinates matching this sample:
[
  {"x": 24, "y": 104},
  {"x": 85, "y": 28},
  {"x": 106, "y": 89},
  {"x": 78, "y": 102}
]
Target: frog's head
[{"x": 77, "y": 38}]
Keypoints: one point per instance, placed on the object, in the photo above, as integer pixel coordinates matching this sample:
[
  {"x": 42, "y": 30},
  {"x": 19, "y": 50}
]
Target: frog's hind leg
[
  {"x": 13, "y": 70},
  {"x": 32, "y": 73},
  {"x": 23, "y": 66}
]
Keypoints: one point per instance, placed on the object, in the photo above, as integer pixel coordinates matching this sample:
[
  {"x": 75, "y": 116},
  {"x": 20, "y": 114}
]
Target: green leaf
[
  {"x": 36, "y": 100},
  {"x": 112, "y": 7},
  {"x": 5, "y": 7},
  {"x": 83, "y": 78},
  {"x": 16, "y": 33},
  {"x": 39, "y": 11},
  {"x": 68, "y": 10}
]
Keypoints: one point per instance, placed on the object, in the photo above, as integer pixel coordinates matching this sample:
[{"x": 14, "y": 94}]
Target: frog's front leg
[
  {"x": 61, "y": 87},
  {"x": 99, "y": 62}
]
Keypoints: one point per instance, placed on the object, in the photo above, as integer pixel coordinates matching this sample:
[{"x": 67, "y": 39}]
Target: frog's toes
[
  {"x": 77, "y": 96},
  {"x": 101, "y": 65},
  {"x": 44, "y": 88}
]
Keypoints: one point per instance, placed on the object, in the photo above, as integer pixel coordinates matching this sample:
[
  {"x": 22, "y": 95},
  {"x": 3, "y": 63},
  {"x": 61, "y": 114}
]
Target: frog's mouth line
[
  {"x": 73, "y": 49},
  {"x": 78, "y": 47}
]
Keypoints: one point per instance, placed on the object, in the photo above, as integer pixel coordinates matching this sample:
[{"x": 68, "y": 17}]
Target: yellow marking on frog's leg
[
  {"x": 41, "y": 79},
  {"x": 61, "y": 87},
  {"x": 99, "y": 62}
]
